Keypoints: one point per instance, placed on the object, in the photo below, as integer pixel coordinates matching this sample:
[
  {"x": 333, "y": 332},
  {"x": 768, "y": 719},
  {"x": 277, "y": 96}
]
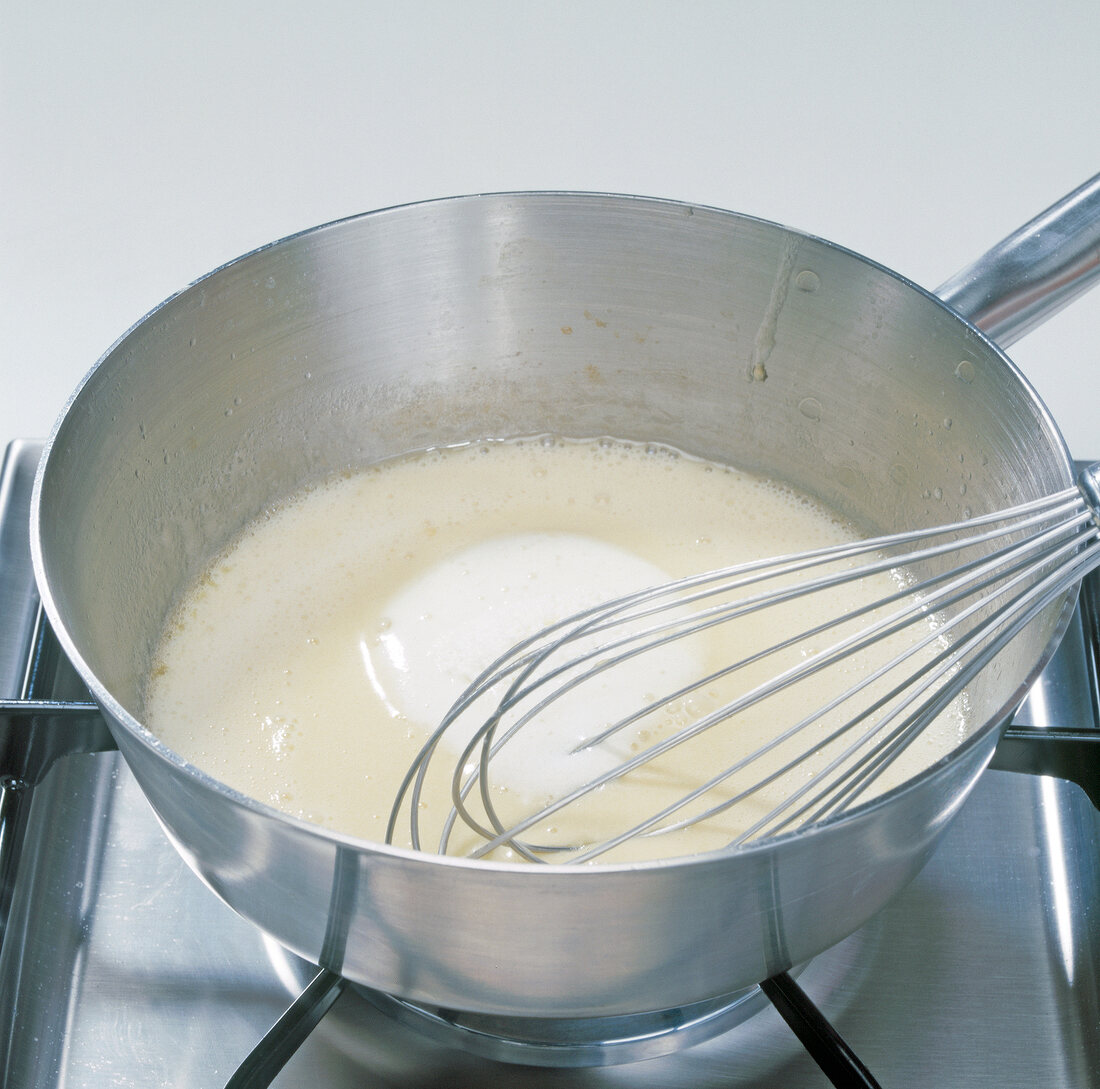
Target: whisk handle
[{"x": 1034, "y": 272}]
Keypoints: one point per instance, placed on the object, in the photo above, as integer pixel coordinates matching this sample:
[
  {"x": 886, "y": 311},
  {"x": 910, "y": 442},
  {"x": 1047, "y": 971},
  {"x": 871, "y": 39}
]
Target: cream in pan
[{"x": 312, "y": 659}]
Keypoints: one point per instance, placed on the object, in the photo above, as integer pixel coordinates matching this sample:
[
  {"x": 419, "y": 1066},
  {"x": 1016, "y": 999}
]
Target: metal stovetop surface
[{"x": 119, "y": 968}]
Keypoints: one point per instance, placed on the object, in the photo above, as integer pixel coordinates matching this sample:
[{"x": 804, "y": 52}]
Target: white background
[{"x": 142, "y": 144}]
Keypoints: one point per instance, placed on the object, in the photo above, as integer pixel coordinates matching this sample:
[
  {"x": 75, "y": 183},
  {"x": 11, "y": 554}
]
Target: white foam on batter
[{"x": 495, "y": 594}]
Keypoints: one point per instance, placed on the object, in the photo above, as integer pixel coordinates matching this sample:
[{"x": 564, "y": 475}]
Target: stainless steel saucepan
[{"x": 521, "y": 314}]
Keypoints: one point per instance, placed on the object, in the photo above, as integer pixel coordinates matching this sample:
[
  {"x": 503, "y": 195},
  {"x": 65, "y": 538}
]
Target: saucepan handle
[{"x": 1034, "y": 272}]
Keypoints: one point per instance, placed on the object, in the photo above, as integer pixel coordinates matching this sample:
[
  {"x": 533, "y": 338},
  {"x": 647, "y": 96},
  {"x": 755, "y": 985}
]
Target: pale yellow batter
[{"x": 311, "y": 661}]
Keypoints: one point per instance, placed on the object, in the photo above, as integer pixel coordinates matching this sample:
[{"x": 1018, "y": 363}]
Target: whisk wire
[
  {"x": 884, "y": 628},
  {"x": 1004, "y": 624},
  {"x": 973, "y": 608},
  {"x": 958, "y": 589}
]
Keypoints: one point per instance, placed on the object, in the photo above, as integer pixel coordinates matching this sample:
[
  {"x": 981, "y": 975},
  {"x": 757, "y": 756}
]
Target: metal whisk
[{"x": 982, "y": 580}]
